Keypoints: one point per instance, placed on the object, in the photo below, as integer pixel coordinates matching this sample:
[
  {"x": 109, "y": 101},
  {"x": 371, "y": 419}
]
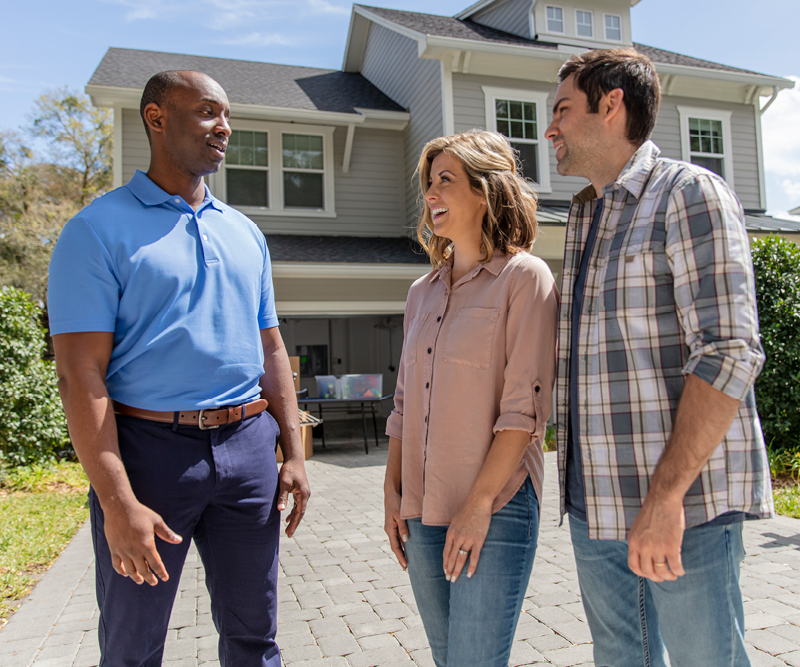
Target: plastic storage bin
[
  {"x": 368, "y": 385},
  {"x": 328, "y": 386}
]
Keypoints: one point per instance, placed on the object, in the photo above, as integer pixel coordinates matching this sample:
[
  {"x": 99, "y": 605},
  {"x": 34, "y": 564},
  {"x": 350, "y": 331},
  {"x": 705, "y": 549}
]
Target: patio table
[{"x": 333, "y": 404}]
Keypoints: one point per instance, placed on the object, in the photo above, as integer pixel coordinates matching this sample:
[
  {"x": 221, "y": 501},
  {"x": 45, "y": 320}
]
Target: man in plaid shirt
[{"x": 661, "y": 455}]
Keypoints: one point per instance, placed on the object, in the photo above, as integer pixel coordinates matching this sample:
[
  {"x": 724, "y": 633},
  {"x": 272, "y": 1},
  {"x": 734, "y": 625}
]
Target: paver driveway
[{"x": 344, "y": 602}]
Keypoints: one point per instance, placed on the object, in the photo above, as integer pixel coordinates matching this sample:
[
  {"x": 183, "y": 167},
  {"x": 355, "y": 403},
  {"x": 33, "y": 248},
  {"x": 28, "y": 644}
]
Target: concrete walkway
[{"x": 344, "y": 601}]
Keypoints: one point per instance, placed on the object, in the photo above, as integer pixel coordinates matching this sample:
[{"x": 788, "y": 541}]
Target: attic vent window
[
  {"x": 555, "y": 19},
  {"x": 613, "y": 28},
  {"x": 583, "y": 22}
]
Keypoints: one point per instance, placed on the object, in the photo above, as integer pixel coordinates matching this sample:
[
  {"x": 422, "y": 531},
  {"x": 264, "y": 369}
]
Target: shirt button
[
  {"x": 427, "y": 384},
  {"x": 439, "y": 319},
  {"x": 426, "y": 419},
  {"x": 429, "y": 350},
  {"x": 205, "y": 238},
  {"x": 177, "y": 201}
]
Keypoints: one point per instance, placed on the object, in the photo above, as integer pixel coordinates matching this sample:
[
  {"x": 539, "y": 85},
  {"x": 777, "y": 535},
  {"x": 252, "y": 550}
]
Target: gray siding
[
  {"x": 743, "y": 134},
  {"x": 135, "y": 147},
  {"x": 511, "y": 16},
  {"x": 470, "y": 112},
  {"x": 369, "y": 199},
  {"x": 392, "y": 64}
]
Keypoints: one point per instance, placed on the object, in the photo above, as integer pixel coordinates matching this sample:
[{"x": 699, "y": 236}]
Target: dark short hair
[
  {"x": 600, "y": 71},
  {"x": 158, "y": 89}
]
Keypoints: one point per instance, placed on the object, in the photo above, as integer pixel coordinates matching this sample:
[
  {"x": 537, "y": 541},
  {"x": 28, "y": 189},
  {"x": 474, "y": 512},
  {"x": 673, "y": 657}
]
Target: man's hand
[
  {"x": 654, "y": 543},
  {"x": 130, "y": 532},
  {"x": 292, "y": 479}
]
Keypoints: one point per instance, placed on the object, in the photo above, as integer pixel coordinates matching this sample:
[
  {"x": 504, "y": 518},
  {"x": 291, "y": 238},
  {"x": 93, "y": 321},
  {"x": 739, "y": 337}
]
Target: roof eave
[{"x": 113, "y": 96}]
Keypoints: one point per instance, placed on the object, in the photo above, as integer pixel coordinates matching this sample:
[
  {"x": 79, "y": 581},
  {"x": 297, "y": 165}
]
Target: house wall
[
  {"x": 470, "y": 112},
  {"x": 391, "y": 62},
  {"x": 511, "y": 16},
  {"x": 370, "y": 198}
]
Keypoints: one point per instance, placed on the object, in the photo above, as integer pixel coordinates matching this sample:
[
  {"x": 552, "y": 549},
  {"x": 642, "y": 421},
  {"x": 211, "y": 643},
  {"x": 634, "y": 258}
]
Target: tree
[
  {"x": 777, "y": 269},
  {"x": 81, "y": 138}
]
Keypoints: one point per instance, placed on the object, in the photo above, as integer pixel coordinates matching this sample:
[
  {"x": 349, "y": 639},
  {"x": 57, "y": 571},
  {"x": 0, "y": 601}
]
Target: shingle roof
[
  {"x": 447, "y": 26},
  {"x": 248, "y": 82},
  {"x": 366, "y": 250}
]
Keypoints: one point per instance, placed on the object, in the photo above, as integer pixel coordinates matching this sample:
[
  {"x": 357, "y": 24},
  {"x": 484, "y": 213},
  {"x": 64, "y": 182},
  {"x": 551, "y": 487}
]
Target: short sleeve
[
  {"x": 267, "y": 317},
  {"x": 83, "y": 291}
]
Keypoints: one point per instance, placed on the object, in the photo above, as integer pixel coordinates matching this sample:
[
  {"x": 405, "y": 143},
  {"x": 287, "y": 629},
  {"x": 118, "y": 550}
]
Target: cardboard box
[{"x": 308, "y": 447}]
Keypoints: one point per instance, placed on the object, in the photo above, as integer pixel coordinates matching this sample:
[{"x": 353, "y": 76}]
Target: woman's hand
[
  {"x": 394, "y": 526},
  {"x": 465, "y": 538}
]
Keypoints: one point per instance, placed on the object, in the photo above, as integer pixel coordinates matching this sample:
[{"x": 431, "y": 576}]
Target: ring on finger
[
  {"x": 661, "y": 564},
  {"x": 461, "y": 552}
]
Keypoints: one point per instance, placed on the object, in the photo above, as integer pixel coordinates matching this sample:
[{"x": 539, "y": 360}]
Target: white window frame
[
  {"x": 275, "y": 132},
  {"x": 605, "y": 28},
  {"x": 491, "y": 94},
  {"x": 590, "y": 13},
  {"x": 563, "y": 21},
  {"x": 686, "y": 113}
]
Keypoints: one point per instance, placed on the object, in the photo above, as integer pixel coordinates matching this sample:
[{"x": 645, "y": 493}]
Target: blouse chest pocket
[
  {"x": 471, "y": 337},
  {"x": 414, "y": 338}
]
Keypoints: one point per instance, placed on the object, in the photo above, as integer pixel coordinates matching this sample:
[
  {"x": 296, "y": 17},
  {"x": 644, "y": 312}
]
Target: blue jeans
[
  {"x": 218, "y": 487},
  {"x": 698, "y": 619},
  {"x": 471, "y": 623}
]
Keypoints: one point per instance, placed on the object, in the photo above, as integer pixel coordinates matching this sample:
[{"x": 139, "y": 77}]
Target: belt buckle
[{"x": 200, "y": 418}]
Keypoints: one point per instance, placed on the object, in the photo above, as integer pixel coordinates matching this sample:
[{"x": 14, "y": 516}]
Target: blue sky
[{"x": 55, "y": 43}]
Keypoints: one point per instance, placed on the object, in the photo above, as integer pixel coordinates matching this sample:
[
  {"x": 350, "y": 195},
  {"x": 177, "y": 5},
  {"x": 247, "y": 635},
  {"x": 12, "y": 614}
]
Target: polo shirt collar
[
  {"x": 150, "y": 194},
  {"x": 633, "y": 177}
]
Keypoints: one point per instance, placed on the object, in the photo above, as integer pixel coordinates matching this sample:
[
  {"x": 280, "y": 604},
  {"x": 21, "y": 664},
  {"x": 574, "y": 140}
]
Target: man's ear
[
  {"x": 612, "y": 106},
  {"x": 154, "y": 117}
]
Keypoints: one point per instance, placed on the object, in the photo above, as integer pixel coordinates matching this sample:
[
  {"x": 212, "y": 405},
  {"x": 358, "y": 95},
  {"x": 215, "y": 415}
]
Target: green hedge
[
  {"x": 777, "y": 268},
  {"x": 33, "y": 427}
]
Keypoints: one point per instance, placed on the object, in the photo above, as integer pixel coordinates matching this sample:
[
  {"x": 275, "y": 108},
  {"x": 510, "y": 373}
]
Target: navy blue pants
[{"x": 219, "y": 487}]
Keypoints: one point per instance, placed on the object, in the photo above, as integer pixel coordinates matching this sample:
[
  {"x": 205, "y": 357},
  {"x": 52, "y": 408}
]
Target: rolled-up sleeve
[
  {"x": 394, "y": 424},
  {"x": 531, "y": 334},
  {"x": 714, "y": 284}
]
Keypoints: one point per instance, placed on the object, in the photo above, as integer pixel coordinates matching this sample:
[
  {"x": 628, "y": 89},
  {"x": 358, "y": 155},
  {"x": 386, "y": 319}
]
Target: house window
[
  {"x": 583, "y": 22},
  {"x": 706, "y": 140},
  {"x": 520, "y": 116},
  {"x": 303, "y": 171},
  {"x": 555, "y": 19},
  {"x": 613, "y": 28},
  {"x": 283, "y": 169},
  {"x": 517, "y": 120},
  {"x": 247, "y": 159}
]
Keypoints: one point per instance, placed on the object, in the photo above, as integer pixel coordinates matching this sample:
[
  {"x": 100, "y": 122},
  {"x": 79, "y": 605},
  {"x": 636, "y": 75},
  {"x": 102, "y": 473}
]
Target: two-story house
[{"x": 323, "y": 161}]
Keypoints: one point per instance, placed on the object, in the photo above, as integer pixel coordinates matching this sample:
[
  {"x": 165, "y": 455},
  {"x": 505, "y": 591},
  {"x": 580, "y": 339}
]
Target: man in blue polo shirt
[{"x": 168, "y": 354}]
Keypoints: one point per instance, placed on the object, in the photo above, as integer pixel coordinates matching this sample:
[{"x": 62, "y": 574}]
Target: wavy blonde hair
[{"x": 490, "y": 162}]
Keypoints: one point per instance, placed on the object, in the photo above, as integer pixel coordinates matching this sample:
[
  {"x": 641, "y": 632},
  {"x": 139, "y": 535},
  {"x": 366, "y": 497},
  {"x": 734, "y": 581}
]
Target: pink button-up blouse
[{"x": 478, "y": 357}]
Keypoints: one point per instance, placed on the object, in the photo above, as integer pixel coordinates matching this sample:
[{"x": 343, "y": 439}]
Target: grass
[{"x": 41, "y": 508}]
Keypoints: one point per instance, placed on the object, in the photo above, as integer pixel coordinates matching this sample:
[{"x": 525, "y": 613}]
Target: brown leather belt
[{"x": 204, "y": 419}]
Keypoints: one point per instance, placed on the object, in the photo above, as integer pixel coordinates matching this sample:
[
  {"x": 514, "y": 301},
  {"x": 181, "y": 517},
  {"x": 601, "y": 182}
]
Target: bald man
[{"x": 177, "y": 388}]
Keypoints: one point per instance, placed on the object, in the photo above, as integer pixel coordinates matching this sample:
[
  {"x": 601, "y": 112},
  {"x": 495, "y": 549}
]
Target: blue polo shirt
[{"x": 185, "y": 294}]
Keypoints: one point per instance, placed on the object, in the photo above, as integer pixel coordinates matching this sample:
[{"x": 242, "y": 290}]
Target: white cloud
[
  {"x": 325, "y": 7},
  {"x": 781, "y": 136},
  {"x": 259, "y": 39}
]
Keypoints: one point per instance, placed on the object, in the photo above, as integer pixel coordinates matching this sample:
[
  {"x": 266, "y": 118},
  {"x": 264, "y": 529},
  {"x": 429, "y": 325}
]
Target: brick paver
[{"x": 344, "y": 601}]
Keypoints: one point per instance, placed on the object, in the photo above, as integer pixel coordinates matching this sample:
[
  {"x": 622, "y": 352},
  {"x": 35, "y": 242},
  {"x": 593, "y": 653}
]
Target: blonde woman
[{"x": 464, "y": 475}]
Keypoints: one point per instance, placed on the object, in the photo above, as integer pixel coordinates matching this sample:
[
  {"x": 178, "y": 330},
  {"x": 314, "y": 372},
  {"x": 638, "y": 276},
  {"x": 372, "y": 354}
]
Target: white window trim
[
  {"x": 708, "y": 114},
  {"x": 605, "y": 29},
  {"x": 591, "y": 13},
  {"x": 540, "y": 99},
  {"x": 563, "y": 21},
  {"x": 275, "y": 132}
]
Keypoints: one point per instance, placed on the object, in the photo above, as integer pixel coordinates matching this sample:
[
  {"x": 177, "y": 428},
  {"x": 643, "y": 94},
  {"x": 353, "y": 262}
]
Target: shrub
[
  {"x": 33, "y": 427},
  {"x": 777, "y": 270}
]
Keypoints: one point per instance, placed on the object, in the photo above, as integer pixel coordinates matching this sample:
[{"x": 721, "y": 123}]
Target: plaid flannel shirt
[{"x": 670, "y": 291}]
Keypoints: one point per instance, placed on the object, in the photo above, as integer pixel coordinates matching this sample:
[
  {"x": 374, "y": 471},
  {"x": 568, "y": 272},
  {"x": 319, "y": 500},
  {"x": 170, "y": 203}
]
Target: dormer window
[
  {"x": 555, "y": 19},
  {"x": 583, "y": 23},
  {"x": 613, "y": 28}
]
